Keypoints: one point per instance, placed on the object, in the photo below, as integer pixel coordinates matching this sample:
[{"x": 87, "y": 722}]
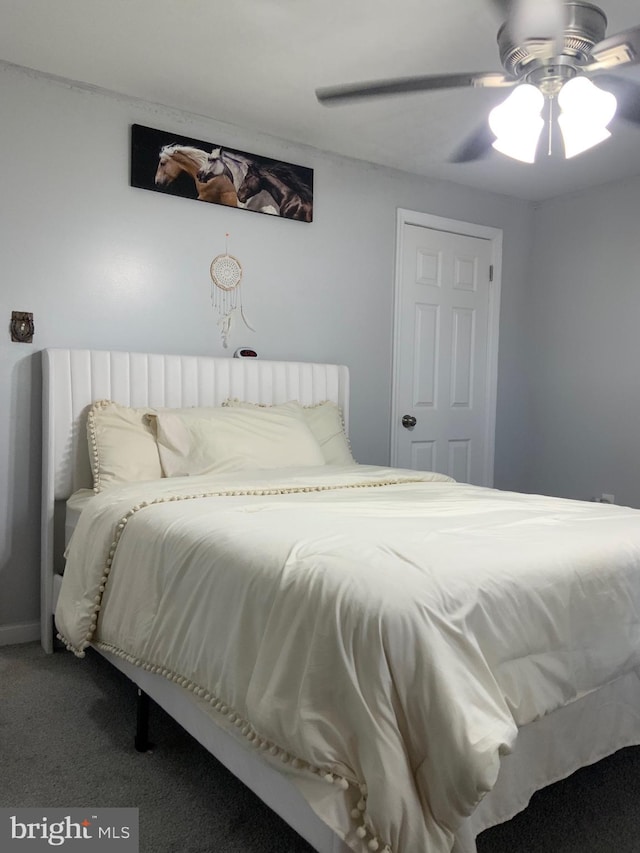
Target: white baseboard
[{"x": 25, "y": 633}]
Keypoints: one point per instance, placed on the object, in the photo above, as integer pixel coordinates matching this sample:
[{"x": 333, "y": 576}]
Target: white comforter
[{"x": 386, "y": 629}]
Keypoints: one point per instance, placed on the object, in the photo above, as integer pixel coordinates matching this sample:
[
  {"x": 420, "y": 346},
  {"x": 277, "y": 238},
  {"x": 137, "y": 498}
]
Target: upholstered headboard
[{"x": 74, "y": 379}]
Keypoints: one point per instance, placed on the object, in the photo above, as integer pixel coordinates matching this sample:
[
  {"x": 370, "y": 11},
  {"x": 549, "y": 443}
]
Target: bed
[{"x": 328, "y": 700}]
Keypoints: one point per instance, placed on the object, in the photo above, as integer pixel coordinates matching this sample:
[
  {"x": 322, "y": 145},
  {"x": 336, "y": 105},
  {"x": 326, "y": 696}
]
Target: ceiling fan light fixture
[
  {"x": 549, "y": 50},
  {"x": 580, "y": 136},
  {"x": 586, "y": 110},
  {"x": 517, "y": 123}
]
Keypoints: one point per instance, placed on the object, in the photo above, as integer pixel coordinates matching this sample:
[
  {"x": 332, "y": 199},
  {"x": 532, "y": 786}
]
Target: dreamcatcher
[{"x": 226, "y": 298}]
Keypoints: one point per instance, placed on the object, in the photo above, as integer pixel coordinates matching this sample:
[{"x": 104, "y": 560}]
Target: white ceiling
[{"x": 256, "y": 63}]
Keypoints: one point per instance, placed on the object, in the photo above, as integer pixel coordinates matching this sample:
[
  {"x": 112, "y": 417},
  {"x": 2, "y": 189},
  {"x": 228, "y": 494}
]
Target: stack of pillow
[{"x": 128, "y": 444}]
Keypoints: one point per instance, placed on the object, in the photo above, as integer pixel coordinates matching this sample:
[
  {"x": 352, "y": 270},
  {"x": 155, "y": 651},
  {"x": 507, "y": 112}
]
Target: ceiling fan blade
[
  {"x": 617, "y": 50},
  {"x": 627, "y": 94},
  {"x": 476, "y": 146},
  {"x": 403, "y": 85}
]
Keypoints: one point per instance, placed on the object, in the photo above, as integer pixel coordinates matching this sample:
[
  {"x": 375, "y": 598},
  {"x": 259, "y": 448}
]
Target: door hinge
[{"x": 490, "y": 272}]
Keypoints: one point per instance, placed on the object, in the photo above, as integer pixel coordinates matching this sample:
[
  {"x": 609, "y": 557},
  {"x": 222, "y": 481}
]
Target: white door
[{"x": 445, "y": 348}]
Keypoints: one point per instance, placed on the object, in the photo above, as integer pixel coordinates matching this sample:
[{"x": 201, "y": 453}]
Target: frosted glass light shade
[
  {"x": 517, "y": 123},
  {"x": 586, "y": 111}
]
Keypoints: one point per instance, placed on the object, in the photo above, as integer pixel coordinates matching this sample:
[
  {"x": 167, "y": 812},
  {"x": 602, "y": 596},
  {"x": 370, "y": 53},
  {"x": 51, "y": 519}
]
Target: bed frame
[{"x": 546, "y": 750}]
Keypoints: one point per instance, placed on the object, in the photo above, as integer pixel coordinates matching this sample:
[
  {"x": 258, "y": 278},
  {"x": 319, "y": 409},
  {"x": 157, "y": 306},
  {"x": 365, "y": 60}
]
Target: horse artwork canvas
[{"x": 205, "y": 171}]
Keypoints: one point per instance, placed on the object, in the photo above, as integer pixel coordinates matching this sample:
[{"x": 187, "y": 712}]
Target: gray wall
[
  {"x": 103, "y": 265},
  {"x": 584, "y": 357}
]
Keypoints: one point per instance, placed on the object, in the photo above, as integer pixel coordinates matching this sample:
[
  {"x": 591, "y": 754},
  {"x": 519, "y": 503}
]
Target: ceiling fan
[{"x": 549, "y": 51}]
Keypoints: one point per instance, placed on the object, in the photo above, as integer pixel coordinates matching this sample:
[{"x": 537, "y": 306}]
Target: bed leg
[{"x": 141, "y": 741}]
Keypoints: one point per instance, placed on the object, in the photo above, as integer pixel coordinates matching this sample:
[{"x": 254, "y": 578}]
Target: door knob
[{"x": 408, "y": 421}]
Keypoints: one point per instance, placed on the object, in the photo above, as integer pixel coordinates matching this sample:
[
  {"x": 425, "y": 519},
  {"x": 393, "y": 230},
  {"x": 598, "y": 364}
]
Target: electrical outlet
[{"x": 607, "y": 499}]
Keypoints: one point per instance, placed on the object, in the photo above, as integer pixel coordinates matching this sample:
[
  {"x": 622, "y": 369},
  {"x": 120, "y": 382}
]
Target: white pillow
[
  {"x": 325, "y": 422},
  {"x": 122, "y": 442},
  {"x": 234, "y": 439},
  {"x": 122, "y": 445}
]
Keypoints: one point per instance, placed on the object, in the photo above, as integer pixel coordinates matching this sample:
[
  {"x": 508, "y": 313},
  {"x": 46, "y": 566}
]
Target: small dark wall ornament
[{"x": 22, "y": 327}]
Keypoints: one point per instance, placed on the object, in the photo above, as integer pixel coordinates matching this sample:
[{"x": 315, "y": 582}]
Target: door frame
[{"x": 468, "y": 229}]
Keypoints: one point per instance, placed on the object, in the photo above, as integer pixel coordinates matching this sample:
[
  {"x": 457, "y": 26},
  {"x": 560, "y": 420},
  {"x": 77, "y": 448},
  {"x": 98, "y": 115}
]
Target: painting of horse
[
  {"x": 222, "y": 161},
  {"x": 174, "y": 159},
  {"x": 293, "y": 196},
  {"x": 192, "y": 168}
]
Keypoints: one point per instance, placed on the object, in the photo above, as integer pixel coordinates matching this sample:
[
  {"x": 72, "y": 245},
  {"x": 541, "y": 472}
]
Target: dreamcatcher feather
[{"x": 226, "y": 297}]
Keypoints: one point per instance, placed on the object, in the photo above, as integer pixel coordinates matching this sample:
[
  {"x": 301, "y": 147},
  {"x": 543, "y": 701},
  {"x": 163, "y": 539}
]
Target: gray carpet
[{"x": 66, "y": 740}]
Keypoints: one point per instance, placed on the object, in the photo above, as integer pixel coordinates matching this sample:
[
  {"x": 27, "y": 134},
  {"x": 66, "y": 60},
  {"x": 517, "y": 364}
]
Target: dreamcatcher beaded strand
[{"x": 226, "y": 298}]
